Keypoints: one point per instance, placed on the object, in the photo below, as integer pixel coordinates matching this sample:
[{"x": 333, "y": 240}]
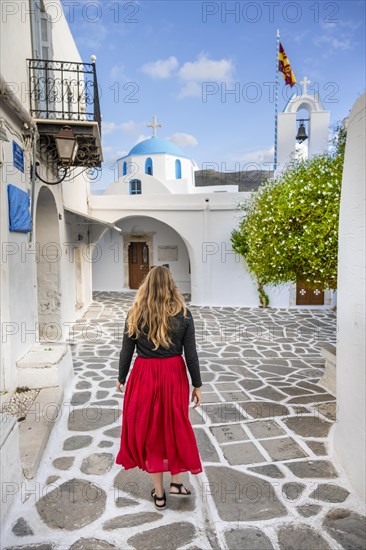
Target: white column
[
  {"x": 286, "y": 139},
  {"x": 350, "y": 429},
  {"x": 318, "y": 132}
]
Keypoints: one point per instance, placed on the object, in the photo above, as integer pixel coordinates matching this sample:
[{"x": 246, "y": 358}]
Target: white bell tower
[{"x": 288, "y": 125}]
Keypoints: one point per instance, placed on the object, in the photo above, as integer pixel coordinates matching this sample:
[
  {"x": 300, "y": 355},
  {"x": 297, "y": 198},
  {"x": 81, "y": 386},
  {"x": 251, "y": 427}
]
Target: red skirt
[{"x": 157, "y": 435}]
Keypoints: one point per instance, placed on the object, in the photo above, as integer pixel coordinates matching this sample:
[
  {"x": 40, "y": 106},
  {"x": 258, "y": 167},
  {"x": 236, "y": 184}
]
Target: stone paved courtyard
[{"x": 264, "y": 432}]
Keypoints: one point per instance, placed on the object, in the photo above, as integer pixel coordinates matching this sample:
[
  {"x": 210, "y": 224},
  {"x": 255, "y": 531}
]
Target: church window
[
  {"x": 178, "y": 169},
  {"x": 149, "y": 166},
  {"x": 135, "y": 187},
  {"x": 124, "y": 169}
]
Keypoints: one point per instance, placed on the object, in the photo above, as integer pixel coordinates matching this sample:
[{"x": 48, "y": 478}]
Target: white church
[{"x": 159, "y": 216}]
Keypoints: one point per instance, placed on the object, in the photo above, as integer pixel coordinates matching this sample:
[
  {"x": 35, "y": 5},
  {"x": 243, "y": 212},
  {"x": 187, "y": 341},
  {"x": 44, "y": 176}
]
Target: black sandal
[
  {"x": 159, "y": 506},
  {"x": 180, "y": 493}
]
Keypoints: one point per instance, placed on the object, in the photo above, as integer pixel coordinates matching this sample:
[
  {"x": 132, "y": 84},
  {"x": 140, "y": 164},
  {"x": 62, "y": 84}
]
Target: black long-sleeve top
[{"x": 183, "y": 337}]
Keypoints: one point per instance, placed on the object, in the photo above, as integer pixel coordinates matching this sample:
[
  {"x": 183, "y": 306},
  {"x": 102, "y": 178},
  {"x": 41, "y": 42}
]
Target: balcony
[{"x": 64, "y": 93}]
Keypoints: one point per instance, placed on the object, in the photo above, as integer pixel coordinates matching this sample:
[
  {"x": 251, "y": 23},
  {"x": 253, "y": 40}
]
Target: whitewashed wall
[
  {"x": 107, "y": 265},
  {"x": 19, "y": 307},
  {"x": 163, "y": 166},
  {"x": 350, "y": 443},
  {"x": 16, "y": 31},
  {"x": 150, "y": 185},
  {"x": 204, "y": 222},
  {"x": 18, "y": 298}
]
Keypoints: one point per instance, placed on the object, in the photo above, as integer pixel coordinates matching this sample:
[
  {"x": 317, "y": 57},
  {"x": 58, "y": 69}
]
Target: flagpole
[{"x": 276, "y": 103}]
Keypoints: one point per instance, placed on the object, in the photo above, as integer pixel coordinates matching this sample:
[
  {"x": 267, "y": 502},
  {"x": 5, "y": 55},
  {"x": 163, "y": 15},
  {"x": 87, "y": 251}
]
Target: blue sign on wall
[
  {"x": 19, "y": 213},
  {"x": 18, "y": 157}
]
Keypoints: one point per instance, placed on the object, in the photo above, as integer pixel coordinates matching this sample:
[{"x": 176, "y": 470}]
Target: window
[
  {"x": 135, "y": 187},
  {"x": 149, "y": 166},
  {"x": 41, "y": 26},
  {"x": 178, "y": 170},
  {"x": 41, "y": 31},
  {"x": 124, "y": 169}
]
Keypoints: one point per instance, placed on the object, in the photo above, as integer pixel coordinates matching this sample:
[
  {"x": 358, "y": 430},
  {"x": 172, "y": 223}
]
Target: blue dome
[{"x": 156, "y": 146}]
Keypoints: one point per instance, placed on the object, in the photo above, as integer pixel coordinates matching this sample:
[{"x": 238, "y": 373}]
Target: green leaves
[{"x": 290, "y": 226}]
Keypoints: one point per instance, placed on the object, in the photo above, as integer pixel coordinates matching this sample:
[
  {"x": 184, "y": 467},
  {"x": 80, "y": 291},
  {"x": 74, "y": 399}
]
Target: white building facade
[
  {"x": 45, "y": 269},
  {"x": 165, "y": 220}
]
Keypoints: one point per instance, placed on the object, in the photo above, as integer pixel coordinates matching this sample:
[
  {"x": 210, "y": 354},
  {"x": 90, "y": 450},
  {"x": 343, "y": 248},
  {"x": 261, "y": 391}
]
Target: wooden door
[
  {"x": 138, "y": 263},
  {"x": 307, "y": 295}
]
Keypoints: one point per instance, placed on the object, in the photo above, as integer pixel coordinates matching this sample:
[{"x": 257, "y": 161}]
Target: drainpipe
[{"x": 35, "y": 138}]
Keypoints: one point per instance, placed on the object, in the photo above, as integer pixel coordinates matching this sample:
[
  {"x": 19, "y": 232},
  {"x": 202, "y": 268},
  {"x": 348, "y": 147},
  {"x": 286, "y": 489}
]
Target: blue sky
[{"x": 179, "y": 60}]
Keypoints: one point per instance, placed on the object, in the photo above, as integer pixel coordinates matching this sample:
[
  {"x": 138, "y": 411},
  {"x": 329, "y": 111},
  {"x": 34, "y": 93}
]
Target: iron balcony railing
[{"x": 63, "y": 90}]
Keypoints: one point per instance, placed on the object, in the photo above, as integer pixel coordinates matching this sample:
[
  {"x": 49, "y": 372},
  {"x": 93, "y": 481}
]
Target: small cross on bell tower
[
  {"x": 305, "y": 83},
  {"x": 154, "y": 125}
]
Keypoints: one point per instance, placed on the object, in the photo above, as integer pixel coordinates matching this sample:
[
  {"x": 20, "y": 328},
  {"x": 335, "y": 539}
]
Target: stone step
[
  {"x": 10, "y": 470},
  {"x": 329, "y": 378},
  {"x": 45, "y": 365},
  {"x": 35, "y": 430},
  {"x": 93, "y": 311}
]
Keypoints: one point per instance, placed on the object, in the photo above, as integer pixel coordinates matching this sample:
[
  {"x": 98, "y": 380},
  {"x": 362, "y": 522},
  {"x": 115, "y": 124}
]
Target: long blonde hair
[{"x": 157, "y": 301}]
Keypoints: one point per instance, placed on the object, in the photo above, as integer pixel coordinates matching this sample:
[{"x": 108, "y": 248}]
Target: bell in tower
[{"x": 301, "y": 132}]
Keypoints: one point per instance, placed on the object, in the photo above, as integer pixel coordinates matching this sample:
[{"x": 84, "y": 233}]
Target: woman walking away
[{"x": 157, "y": 435}]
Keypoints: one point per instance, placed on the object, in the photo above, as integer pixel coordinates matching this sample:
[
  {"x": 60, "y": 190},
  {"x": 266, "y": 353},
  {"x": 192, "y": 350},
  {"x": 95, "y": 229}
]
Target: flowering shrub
[{"x": 289, "y": 230}]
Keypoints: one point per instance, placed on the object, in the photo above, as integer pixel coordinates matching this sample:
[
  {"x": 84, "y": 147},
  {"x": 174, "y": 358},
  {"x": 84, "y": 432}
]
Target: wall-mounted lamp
[{"x": 66, "y": 145}]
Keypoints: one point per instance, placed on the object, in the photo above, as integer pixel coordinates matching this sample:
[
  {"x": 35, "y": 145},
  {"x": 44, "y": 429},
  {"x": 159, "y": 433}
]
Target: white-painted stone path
[{"x": 264, "y": 433}]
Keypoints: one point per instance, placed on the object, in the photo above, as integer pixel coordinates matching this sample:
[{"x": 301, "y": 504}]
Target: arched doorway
[
  {"x": 48, "y": 258},
  {"x": 144, "y": 242}
]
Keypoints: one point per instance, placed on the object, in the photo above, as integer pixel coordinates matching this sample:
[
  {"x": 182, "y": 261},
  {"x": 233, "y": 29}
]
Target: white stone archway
[
  {"x": 48, "y": 261},
  {"x": 163, "y": 241}
]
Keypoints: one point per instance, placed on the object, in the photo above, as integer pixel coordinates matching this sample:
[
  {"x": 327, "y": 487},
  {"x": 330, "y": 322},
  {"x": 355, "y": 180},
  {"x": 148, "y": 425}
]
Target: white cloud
[
  {"x": 109, "y": 127},
  {"x": 191, "y": 89},
  {"x": 204, "y": 69},
  {"x": 128, "y": 127},
  {"x": 337, "y": 36},
  {"x": 183, "y": 140},
  {"x": 111, "y": 154},
  {"x": 162, "y": 68},
  {"x": 193, "y": 73},
  {"x": 131, "y": 126},
  {"x": 335, "y": 43}
]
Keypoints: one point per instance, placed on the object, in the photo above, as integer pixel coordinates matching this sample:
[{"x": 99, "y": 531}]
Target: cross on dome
[
  {"x": 154, "y": 125},
  {"x": 305, "y": 83}
]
